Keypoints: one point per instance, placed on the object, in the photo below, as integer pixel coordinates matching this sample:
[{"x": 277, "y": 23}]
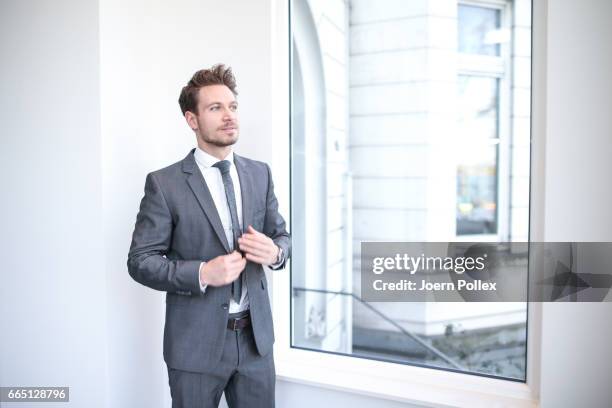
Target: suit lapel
[
  {"x": 246, "y": 186},
  {"x": 200, "y": 190}
]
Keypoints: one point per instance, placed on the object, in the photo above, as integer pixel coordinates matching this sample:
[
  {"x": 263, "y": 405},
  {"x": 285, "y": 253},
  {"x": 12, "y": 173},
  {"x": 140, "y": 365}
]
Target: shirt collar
[{"x": 206, "y": 160}]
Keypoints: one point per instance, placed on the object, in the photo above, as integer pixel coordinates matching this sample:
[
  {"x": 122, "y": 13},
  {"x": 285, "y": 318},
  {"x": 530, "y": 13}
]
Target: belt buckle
[{"x": 234, "y": 324}]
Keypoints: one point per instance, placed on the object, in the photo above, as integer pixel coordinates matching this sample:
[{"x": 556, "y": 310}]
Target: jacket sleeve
[
  {"x": 274, "y": 224},
  {"x": 147, "y": 262}
]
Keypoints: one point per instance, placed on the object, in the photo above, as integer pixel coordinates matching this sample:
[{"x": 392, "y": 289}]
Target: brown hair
[{"x": 218, "y": 74}]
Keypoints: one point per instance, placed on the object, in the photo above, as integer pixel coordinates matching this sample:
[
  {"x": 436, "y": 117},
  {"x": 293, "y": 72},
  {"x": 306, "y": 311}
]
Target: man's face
[{"x": 216, "y": 121}]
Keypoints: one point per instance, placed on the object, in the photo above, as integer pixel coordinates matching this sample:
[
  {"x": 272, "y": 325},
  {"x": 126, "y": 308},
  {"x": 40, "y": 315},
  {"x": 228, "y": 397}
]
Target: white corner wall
[
  {"x": 576, "y": 365},
  {"x": 52, "y": 295}
]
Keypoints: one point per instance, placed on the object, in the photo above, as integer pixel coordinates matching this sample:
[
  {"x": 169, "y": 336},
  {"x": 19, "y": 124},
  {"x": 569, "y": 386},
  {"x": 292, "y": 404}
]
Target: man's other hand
[{"x": 258, "y": 247}]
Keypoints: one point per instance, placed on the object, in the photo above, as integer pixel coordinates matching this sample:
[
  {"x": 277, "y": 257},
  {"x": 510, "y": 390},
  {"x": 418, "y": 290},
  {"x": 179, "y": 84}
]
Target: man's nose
[{"x": 229, "y": 115}]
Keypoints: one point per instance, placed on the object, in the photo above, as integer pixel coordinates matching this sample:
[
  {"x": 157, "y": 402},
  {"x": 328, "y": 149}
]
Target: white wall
[
  {"x": 73, "y": 162},
  {"x": 52, "y": 295},
  {"x": 576, "y": 354}
]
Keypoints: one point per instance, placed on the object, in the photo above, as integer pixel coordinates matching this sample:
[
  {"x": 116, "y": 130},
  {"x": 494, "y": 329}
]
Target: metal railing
[{"x": 407, "y": 333}]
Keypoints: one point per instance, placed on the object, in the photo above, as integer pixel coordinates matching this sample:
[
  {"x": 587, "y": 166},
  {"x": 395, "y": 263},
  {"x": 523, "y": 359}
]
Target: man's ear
[{"x": 191, "y": 120}]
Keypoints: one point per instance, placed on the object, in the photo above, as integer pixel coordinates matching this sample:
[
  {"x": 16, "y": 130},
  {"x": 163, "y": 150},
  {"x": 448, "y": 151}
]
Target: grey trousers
[{"x": 247, "y": 378}]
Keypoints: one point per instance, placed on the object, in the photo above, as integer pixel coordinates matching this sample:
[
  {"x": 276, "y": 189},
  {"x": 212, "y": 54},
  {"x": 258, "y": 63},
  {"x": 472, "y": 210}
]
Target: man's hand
[
  {"x": 222, "y": 270},
  {"x": 258, "y": 247}
]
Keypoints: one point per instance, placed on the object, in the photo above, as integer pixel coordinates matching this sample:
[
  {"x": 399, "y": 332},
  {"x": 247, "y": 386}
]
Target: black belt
[{"x": 239, "y": 321}]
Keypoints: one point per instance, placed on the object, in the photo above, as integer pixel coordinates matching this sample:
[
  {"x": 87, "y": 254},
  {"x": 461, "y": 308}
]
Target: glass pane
[
  {"x": 477, "y": 107},
  {"x": 477, "y": 193},
  {"x": 478, "y": 30},
  {"x": 404, "y": 147},
  {"x": 477, "y": 130}
]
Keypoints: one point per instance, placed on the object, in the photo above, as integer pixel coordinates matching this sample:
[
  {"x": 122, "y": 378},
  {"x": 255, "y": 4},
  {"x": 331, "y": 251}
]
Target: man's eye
[
  {"x": 214, "y": 108},
  {"x": 234, "y": 108}
]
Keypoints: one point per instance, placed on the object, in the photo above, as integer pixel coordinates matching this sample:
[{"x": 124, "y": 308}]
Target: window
[
  {"x": 409, "y": 123},
  {"x": 477, "y": 175},
  {"x": 482, "y": 128},
  {"x": 477, "y": 26}
]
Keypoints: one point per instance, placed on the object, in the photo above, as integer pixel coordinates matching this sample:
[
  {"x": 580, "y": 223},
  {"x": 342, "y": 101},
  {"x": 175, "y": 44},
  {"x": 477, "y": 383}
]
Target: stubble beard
[{"x": 220, "y": 143}]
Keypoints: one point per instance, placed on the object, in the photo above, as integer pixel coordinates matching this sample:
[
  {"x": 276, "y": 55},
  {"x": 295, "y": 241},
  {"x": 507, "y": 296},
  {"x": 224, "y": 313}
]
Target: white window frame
[{"x": 399, "y": 382}]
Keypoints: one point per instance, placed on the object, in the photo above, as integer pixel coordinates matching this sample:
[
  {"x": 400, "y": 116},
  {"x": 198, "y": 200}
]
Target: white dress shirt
[{"x": 214, "y": 181}]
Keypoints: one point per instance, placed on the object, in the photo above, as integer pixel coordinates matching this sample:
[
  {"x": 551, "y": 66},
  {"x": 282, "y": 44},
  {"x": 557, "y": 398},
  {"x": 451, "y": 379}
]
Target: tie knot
[{"x": 223, "y": 165}]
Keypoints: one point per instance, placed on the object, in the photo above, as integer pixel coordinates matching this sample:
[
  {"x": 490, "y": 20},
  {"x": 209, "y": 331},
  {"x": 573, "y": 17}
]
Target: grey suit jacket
[{"x": 176, "y": 229}]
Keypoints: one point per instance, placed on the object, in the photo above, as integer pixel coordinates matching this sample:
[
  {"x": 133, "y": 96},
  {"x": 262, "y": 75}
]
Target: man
[{"x": 206, "y": 226}]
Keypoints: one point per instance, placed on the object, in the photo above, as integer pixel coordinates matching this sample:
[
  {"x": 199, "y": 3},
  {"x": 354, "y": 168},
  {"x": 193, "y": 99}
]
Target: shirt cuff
[
  {"x": 279, "y": 259},
  {"x": 202, "y": 287}
]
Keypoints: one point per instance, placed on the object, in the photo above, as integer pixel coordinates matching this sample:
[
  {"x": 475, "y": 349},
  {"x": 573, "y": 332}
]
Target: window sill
[{"x": 401, "y": 383}]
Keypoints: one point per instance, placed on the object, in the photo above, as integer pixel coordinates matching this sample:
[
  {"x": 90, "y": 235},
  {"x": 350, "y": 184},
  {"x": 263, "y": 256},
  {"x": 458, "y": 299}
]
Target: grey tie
[{"x": 224, "y": 167}]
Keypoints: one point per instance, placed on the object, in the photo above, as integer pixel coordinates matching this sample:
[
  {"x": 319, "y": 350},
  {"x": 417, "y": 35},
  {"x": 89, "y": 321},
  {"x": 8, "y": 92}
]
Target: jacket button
[{"x": 224, "y": 306}]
